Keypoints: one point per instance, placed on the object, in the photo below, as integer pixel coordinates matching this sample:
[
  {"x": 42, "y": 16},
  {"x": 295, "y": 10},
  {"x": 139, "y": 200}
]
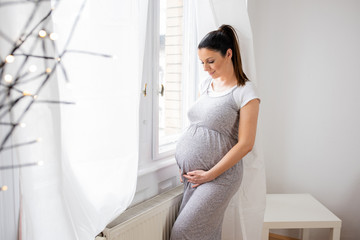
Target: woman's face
[{"x": 215, "y": 64}]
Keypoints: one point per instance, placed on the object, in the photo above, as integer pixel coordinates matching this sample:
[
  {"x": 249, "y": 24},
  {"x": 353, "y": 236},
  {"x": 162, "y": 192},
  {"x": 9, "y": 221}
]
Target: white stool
[{"x": 298, "y": 211}]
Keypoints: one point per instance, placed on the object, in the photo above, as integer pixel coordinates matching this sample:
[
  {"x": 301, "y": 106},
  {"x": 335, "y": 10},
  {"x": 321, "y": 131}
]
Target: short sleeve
[
  {"x": 203, "y": 85},
  {"x": 244, "y": 94}
]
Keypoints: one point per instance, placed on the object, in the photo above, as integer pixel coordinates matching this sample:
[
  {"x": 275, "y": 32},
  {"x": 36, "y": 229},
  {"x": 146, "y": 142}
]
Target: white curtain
[
  {"x": 244, "y": 215},
  {"x": 89, "y": 149},
  {"x": 190, "y": 69}
]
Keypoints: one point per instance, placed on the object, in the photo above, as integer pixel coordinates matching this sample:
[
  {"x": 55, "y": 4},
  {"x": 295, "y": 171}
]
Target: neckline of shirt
[{"x": 213, "y": 93}]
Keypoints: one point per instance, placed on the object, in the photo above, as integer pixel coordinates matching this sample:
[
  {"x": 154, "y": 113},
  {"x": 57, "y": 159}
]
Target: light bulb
[
  {"x": 35, "y": 96},
  {"x": 58, "y": 59},
  {"x": 32, "y": 68},
  {"x": 53, "y": 36},
  {"x": 10, "y": 58},
  {"x": 42, "y": 33},
  {"x": 8, "y": 78},
  {"x": 4, "y": 188},
  {"x": 39, "y": 139},
  {"x": 26, "y": 93},
  {"x": 48, "y": 70},
  {"x": 22, "y": 125},
  {"x": 40, "y": 163}
]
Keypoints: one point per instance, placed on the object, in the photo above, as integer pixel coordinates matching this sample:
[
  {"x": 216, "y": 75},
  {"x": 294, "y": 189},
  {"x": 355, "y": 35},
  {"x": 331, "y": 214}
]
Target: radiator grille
[{"x": 150, "y": 220}]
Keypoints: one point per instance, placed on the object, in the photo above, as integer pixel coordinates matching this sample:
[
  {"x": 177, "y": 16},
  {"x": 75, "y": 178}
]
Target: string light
[
  {"x": 4, "y": 188},
  {"x": 18, "y": 49},
  {"x": 26, "y": 93},
  {"x": 53, "y": 36},
  {"x": 8, "y": 78},
  {"x": 10, "y": 58},
  {"x": 40, "y": 163},
  {"x": 42, "y": 33},
  {"x": 32, "y": 68}
]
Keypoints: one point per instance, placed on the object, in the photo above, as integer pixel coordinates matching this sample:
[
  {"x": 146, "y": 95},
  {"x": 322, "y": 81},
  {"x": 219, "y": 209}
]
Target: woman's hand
[{"x": 198, "y": 177}]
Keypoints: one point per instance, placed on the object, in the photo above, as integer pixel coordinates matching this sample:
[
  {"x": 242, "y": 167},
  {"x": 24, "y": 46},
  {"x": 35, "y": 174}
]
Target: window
[
  {"x": 167, "y": 102},
  {"x": 170, "y": 90}
]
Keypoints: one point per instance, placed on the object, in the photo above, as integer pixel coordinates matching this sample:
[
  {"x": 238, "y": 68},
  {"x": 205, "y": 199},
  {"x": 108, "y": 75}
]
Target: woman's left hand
[{"x": 198, "y": 177}]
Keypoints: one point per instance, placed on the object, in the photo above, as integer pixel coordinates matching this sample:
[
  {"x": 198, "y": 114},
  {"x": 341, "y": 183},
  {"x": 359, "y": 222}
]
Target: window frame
[
  {"x": 160, "y": 173},
  {"x": 171, "y": 144},
  {"x": 149, "y": 155}
]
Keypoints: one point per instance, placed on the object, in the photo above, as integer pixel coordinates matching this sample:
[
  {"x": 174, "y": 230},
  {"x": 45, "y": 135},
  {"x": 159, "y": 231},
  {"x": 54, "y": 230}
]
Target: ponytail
[{"x": 221, "y": 40}]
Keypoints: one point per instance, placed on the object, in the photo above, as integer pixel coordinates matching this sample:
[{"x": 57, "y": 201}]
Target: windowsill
[{"x": 155, "y": 166}]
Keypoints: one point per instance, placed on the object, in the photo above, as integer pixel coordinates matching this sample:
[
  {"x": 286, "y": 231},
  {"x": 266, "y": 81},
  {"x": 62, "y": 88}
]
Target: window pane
[{"x": 170, "y": 103}]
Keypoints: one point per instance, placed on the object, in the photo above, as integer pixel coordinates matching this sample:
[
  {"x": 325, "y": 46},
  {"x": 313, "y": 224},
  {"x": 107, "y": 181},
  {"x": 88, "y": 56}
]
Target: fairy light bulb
[
  {"x": 10, "y": 58},
  {"x": 8, "y": 78},
  {"x": 58, "y": 59},
  {"x": 4, "y": 188},
  {"x": 40, "y": 163},
  {"x": 26, "y": 93},
  {"x": 42, "y": 33},
  {"x": 35, "y": 96},
  {"x": 22, "y": 125},
  {"x": 32, "y": 68},
  {"x": 53, "y": 36},
  {"x": 48, "y": 70},
  {"x": 39, "y": 139}
]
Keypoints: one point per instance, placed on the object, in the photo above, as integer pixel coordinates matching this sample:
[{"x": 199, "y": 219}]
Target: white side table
[{"x": 298, "y": 211}]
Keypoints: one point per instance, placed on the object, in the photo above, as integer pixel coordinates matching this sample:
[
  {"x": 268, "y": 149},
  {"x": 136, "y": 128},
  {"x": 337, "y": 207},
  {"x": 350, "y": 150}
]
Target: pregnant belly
[{"x": 200, "y": 149}]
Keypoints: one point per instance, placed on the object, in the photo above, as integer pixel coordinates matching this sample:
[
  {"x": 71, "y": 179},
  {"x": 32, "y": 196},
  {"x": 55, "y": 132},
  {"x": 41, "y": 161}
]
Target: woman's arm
[{"x": 246, "y": 139}]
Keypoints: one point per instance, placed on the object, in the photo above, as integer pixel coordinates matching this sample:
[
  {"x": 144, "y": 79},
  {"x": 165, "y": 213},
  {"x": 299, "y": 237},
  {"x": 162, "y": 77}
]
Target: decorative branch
[
  {"x": 21, "y": 144},
  {"x": 3, "y": 4},
  {"x": 35, "y": 56},
  {"x": 55, "y": 102},
  {"x": 21, "y": 165},
  {"x": 89, "y": 53},
  {"x": 11, "y": 94}
]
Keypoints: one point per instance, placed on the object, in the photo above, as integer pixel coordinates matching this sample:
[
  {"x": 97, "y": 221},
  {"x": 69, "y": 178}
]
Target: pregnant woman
[{"x": 222, "y": 131}]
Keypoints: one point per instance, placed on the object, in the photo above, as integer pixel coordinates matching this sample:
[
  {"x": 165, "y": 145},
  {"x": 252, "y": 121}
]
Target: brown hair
[{"x": 221, "y": 40}]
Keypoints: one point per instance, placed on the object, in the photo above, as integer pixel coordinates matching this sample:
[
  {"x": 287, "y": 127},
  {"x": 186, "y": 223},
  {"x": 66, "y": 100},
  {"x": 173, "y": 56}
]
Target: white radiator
[{"x": 150, "y": 220}]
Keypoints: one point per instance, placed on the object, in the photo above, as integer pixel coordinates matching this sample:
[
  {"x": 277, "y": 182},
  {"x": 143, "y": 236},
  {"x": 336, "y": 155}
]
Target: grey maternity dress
[{"x": 212, "y": 132}]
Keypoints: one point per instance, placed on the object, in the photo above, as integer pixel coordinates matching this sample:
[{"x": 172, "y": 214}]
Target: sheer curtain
[
  {"x": 89, "y": 149},
  {"x": 244, "y": 215},
  {"x": 190, "y": 69}
]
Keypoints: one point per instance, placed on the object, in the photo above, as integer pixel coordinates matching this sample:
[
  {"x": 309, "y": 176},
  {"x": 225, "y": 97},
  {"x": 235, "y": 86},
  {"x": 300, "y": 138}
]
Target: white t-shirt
[{"x": 242, "y": 94}]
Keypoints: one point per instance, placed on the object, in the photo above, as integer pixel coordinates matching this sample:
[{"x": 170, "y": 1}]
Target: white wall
[{"x": 307, "y": 58}]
